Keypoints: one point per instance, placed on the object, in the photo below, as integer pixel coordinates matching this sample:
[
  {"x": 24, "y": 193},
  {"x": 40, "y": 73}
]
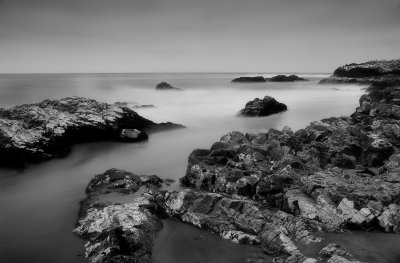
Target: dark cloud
[{"x": 189, "y": 35}]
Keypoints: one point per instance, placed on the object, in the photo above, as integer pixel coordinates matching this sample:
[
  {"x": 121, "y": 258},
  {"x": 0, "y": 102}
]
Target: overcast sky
[{"x": 195, "y": 35}]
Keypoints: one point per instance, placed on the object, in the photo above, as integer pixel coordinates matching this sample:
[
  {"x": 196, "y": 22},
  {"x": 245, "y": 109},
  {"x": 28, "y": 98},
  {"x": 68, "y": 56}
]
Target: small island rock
[
  {"x": 284, "y": 78},
  {"x": 250, "y": 79},
  {"x": 165, "y": 86},
  {"x": 263, "y": 107}
]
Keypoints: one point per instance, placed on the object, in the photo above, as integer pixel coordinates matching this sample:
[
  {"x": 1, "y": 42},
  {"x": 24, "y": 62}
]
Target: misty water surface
[{"x": 39, "y": 205}]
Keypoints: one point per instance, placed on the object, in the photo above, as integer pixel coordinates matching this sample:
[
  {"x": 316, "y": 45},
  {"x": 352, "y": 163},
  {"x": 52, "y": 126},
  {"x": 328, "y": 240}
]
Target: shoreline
[{"x": 253, "y": 175}]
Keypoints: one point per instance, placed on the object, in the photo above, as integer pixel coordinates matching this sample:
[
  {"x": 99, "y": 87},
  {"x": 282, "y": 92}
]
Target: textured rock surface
[
  {"x": 35, "y": 132},
  {"x": 250, "y": 79},
  {"x": 263, "y": 107},
  {"x": 340, "y": 172},
  {"x": 119, "y": 232},
  {"x": 276, "y": 189},
  {"x": 284, "y": 78},
  {"x": 369, "y": 69},
  {"x": 379, "y": 72}
]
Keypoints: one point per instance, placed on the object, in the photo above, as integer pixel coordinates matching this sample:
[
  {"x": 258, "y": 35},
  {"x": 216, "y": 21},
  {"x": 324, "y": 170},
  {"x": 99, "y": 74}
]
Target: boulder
[
  {"x": 263, "y": 107},
  {"x": 118, "y": 224},
  {"x": 132, "y": 135}
]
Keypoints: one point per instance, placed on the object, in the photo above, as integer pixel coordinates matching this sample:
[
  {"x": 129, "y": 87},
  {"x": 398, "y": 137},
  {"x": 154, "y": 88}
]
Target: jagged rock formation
[
  {"x": 379, "y": 72},
  {"x": 165, "y": 86},
  {"x": 374, "y": 68},
  {"x": 34, "y": 132},
  {"x": 263, "y": 107},
  {"x": 284, "y": 78},
  {"x": 250, "y": 79}
]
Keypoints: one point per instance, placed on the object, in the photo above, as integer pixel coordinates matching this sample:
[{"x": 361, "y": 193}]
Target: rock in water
[
  {"x": 284, "y": 78},
  {"x": 118, "y": 231},
  {"x": 34, "y": 132},
  {"x": 374, "y": 68},
  {"x": 250, "y": 79},
  {"x": 263, "y": 107},
  {"x": 165, "y": 86},
  {"x": 132, "y": 135},
  {"x": 382, "y": 73}
]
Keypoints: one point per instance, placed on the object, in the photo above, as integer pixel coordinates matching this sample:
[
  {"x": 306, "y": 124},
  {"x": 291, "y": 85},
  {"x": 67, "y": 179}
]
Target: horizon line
[{"x": 172, "y": 72}]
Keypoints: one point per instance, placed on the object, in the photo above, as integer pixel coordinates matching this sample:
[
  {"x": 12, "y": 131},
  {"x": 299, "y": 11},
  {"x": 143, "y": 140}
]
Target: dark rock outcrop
[
  {"x": 284, "y": 78},
  {"x": 374, "y": 68},
  {"x": 250, "y": 79},
  {"x": 165, "y": 86},
  {"x": 341, "y": 172},
  {"x": 263, "y": 107},
  {"x": 32, "y": 133},
  {"x": 380, "y": 73}
]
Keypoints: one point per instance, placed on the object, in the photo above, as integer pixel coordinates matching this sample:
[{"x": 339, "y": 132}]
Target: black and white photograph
[{"x": 188, "y": 131}]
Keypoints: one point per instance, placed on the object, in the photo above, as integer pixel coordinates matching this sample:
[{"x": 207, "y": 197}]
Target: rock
[
  {"x": 263, "y": 107},
  {"x": 132, "y": 135},
  {"x": 119, "y": 232},
  {"x": 32, "y": 133},
  {"x": 165, "y": 86},
  {"x": 114, "y": 180},
  {"x": 120, "y": 222},
  {"x": 339, "y": 172},
  {"x": 250, "y": 79},
  {"x": 133, "y": 105},
  {"x": 369, "y": 69},
  {"x": 284, "y": 78},
  {"x": 390, "y": 218},
  {"x": 381, "y": 73},
  {"x": 332, "y": 253},
  {"x": 238, "y": 219}
]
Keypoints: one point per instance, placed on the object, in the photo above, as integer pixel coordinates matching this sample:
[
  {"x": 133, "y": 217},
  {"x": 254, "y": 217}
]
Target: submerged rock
[
  {"x": 34, "y": 132},
  {"x": 263, "y": 107},
  {"x": 284, "y": 78},
  {"x": 250, "y": 79},
  {"x": 165, "y": 86}
]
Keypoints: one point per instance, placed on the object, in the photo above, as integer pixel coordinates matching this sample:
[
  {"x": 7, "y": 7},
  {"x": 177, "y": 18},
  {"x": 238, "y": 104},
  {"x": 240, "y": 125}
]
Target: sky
[{"x": 53, "y": 36}]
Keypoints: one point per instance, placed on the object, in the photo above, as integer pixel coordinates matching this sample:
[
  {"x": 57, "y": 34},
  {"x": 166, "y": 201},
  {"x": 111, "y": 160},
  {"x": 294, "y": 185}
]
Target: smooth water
[{"x": 39, "y": 205}]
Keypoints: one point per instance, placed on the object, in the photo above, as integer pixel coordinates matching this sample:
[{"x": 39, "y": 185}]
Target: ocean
[{"x": 39, "y": 205}]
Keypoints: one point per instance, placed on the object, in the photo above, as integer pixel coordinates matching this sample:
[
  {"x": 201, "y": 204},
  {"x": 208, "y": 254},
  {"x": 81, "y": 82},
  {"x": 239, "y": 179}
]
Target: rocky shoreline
[
  {"x": 275, "y": 190},
  {"x": 32, "y": 133}
]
